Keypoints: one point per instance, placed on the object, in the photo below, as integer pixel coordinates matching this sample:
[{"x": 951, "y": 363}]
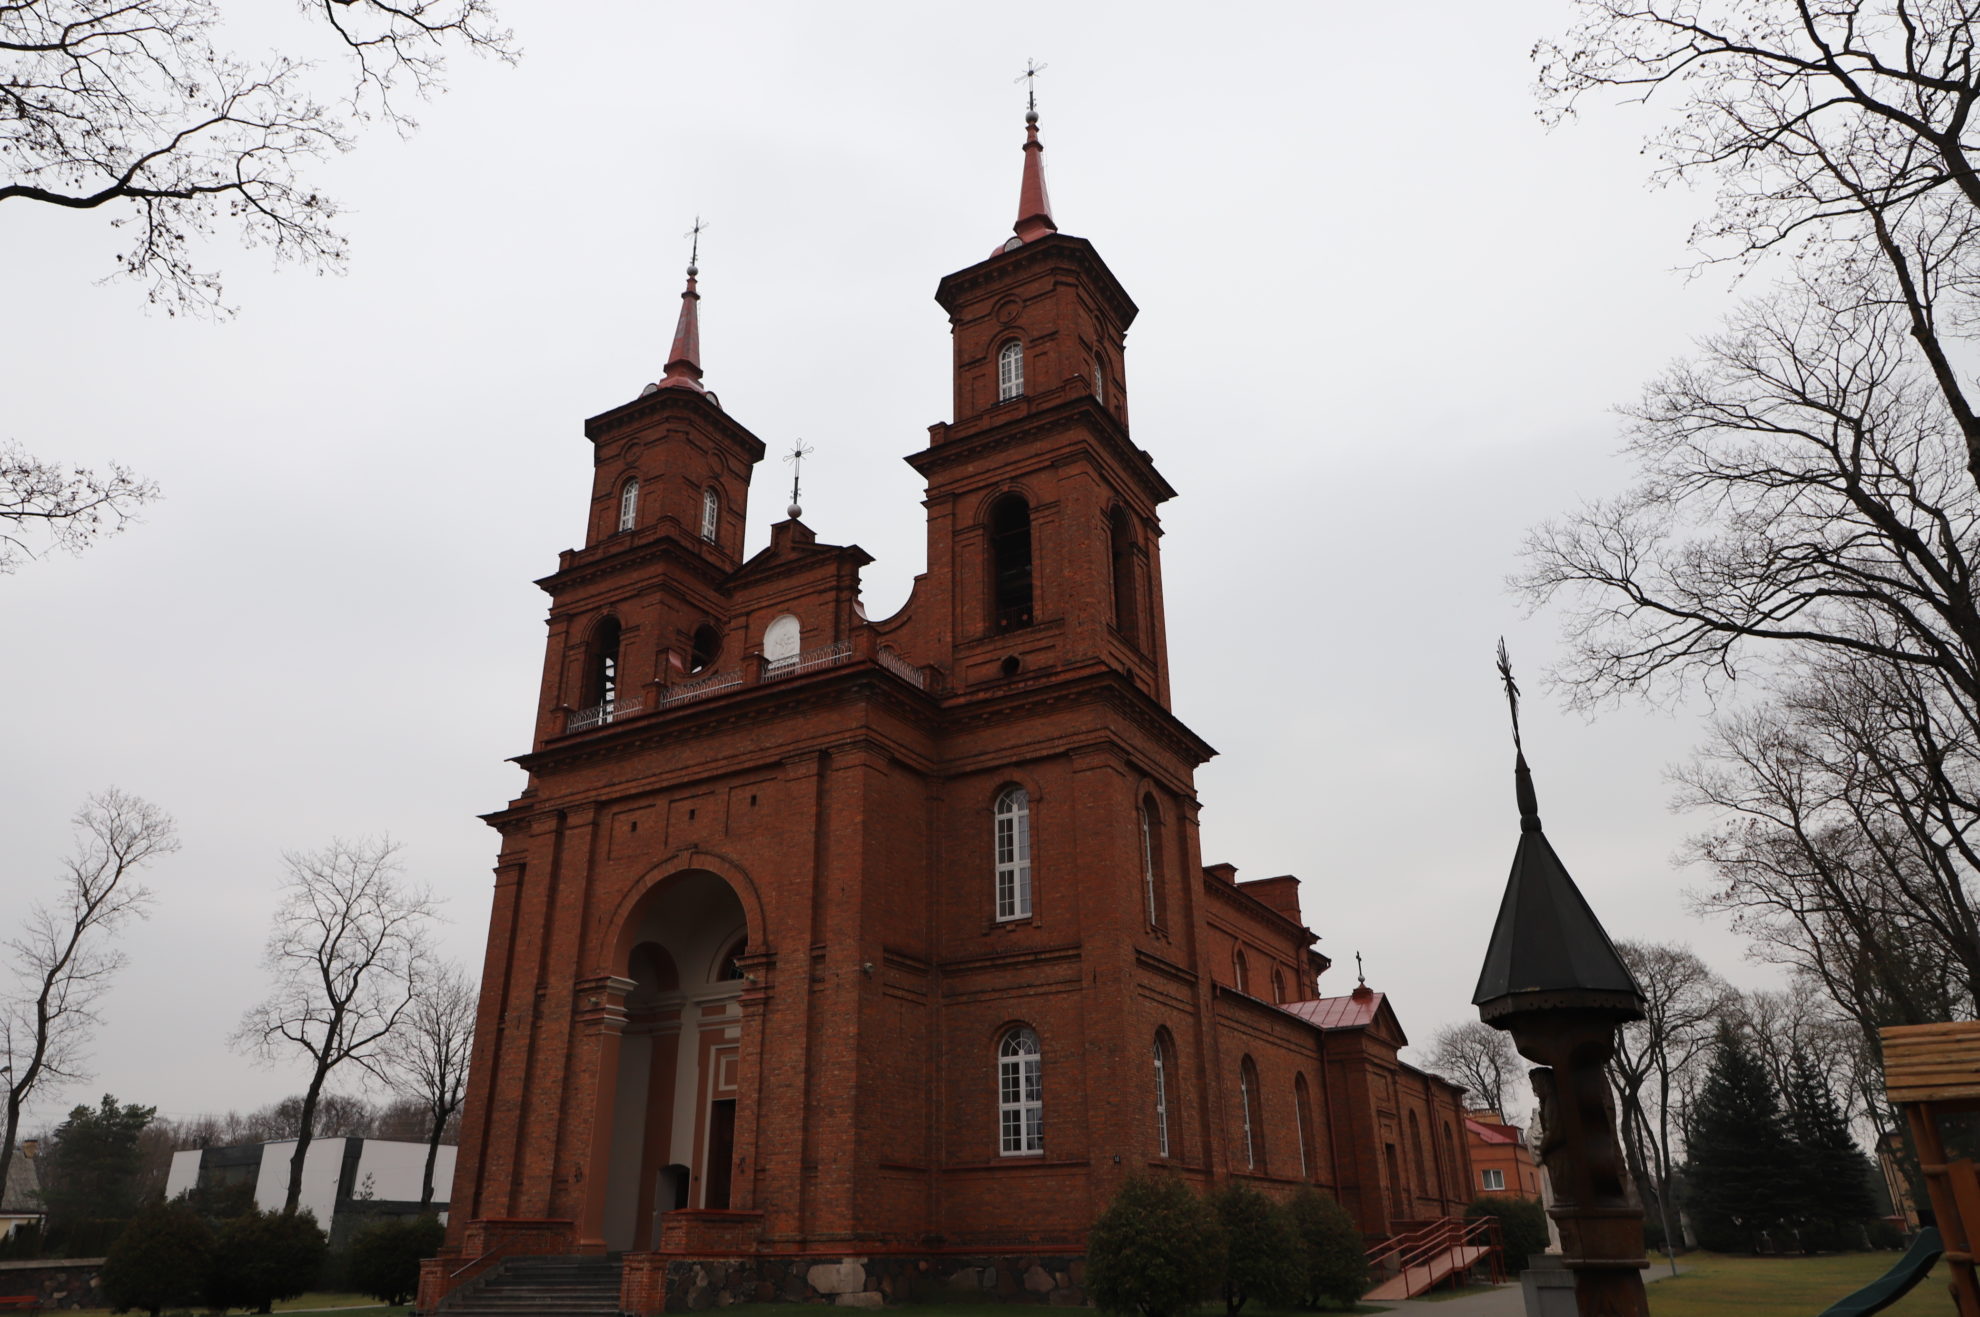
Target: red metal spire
[
  {"x": 1034, "y": 218},
  {"x": 684, "y": 361}
]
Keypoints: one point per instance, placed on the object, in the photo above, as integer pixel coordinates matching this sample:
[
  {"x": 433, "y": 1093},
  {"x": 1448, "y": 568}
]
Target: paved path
[{"x": 1501, "y": 1301}]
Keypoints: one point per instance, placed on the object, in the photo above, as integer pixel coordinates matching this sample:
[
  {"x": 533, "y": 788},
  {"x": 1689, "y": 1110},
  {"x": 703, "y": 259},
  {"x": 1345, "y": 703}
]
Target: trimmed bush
[
  {"x": 1522, "y": 1226},
  {"x": 1261, "y": 1251},
  {"x": 385, "y": 1256},
  {"x": 1156, "y": 1251},
  {"x": 1335, "y": 1264},
  {"x": 259, "y": 1257},
  {"x": 159, "y": 1262}
]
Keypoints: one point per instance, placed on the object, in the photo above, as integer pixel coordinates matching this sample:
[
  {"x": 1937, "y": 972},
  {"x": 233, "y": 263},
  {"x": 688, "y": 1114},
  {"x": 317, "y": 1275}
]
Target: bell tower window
[
  {"x": 1010, "y": 371},
  {"x": 1120, "y": 540},
  {"x": 711, "y": 512},
  {"x": 629, "y": 505},
  {"x": 1012, "y": 849},
  {"x": 601, "y": 678},
  {"x": 1010, "y": 562}
]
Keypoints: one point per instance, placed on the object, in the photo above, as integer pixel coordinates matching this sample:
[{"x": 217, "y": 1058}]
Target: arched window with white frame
[
  {"x": 629, "y": 505},
  {"x": 1151, "y": 861},
  {"x": 1020, "y": 1094},
  {"x": 1303, "y": 1118},
  {"x": 1010, "y": 371},
  {"x": 711, "y": 513},
  {"x": 1163, "y": 1066},
  {"x": 1249, "y": 1101},
  {"x": 1240, "y": 970},
  {"x": 1012, "y": 846}
]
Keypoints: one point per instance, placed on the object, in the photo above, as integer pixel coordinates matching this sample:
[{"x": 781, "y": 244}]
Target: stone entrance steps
[{"x": 543, "y": 1287}]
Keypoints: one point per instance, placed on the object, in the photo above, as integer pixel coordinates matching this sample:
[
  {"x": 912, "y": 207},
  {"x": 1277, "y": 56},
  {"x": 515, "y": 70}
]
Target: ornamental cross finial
[
  {"x": 1360, "y": 978},
  {"x": 1512, "y": 691},
  {"x": 1032, "y": 68},
  {"x": 694, "y": 252},
  {"x": 799, "y": 451}
]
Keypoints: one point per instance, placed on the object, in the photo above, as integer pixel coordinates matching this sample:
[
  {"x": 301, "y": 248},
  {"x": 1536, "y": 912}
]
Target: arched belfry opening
[
  {"x": 678, "y": 1082},
  {"x": 1010, "y": 563}
]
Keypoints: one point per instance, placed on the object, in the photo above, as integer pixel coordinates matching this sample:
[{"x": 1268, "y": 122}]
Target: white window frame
[
  {"x": 1244, "y": 1105},
  {"x": 1148, "y": 860},
  {"x": 1299, "y": 1120},
  {"x": 1161, "y": 1099},
  {"x": 1492, "y": 1180},
  {"x": 1011, "y": 849},
  {"x": 711, "y": 513},
  {"x": 629, "y": 505},
  {"x": 1099, "y": 379},
  {"x": 1020, "y": 1095},
  {"x": 1010, "y": 371}
]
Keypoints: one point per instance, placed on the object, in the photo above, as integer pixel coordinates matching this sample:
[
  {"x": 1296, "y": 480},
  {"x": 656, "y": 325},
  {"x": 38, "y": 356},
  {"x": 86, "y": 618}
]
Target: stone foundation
[
  {"x": 58, "y": 1283},
  {"x": 659, "y": 1282}
]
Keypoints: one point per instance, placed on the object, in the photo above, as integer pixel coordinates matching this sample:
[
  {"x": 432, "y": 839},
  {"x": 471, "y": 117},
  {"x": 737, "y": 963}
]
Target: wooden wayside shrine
[{"x": 1932, "y": 1071}]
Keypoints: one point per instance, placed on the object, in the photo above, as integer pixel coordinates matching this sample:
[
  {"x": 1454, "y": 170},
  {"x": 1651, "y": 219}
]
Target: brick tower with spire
[{"x": 817, "y": 937}]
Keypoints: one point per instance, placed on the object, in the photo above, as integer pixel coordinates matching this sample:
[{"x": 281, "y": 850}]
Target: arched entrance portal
[{"x": 674, "y": 1107}]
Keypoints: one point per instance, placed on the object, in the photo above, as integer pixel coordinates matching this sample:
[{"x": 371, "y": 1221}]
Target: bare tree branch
[
  {"x": 61, "y": 961},
  {"x": 426, "y": 1061},
  {"x": 61, "y": 507}
]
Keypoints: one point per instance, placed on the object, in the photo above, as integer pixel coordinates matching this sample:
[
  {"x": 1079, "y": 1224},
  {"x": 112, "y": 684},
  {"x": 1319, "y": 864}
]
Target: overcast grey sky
[{"x": 1384, "y": 316}]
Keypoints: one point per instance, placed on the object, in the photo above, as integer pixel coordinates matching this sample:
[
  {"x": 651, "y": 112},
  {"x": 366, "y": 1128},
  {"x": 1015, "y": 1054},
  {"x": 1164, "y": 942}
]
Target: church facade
[{"x": 819, "y": 936}]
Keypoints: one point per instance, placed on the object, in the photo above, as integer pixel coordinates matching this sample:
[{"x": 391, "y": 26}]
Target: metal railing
[
  {"x": 1414, "y": 1256},
  {"x": 808, "y": 661},
  {"x": 901, "y": 668},
  {"x": 599, "y": 714},
  {"x": 700, "y": 686}
]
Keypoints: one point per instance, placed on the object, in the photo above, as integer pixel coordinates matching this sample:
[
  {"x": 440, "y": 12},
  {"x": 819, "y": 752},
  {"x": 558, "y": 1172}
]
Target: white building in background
[{"x": 343, "y": 1179}]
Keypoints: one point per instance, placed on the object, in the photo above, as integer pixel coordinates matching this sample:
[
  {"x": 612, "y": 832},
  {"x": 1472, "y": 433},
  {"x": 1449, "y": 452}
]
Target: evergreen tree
[
  {"x": 160, "y": 1262},
  {"x": 1156, "y": 1251},
  {"x": 259, "y": 1257},
  {"x": 1336, "y": 1265},
  {"x": 94, "y": 1165},
  {"x": 1743, "y": 1178},
  {"x": 1833, "y": 1176},
  {"x": 385, "y": 1257},
  {"x": 1261, "y": 1251}
]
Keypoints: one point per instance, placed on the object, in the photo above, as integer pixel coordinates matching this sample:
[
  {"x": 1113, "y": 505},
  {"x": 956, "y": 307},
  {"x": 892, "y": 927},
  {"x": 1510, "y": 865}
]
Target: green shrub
[
  {"x": 1335, "y": 1264},
  {"x": 385, "y": 1257},
  {"x": 1522, "y": 1226},
  {"x": 1261, "y": 1252},
  {"x": 160, "y": 1261},
  {"x": 259, "y": 1257},
  {"x": 1156, "y": 1251}
]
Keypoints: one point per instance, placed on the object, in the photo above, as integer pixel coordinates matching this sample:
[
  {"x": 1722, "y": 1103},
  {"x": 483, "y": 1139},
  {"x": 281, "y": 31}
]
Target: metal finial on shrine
[
  {"x": 799, "y": 451},
  {"x": 1360, "y": 976},
  {"x": 683, "y": 368},
  {"x": 1034, "y": 217},
  {"x": 1529, "y": 802}
]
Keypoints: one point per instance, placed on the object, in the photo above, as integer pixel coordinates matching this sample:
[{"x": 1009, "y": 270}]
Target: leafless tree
[
  {"x": 1480, "y": 1058},
  {"x": 61, "y": 506},
  {"x": 348, "y": 954},
  {"x": 132, "y": 105},
  {"x": 1843, "y": 132},
  {"x": 1682, "y": 1003},
  {"x": 62, "y": 959},
  {"x": 427, "y": 1059}
]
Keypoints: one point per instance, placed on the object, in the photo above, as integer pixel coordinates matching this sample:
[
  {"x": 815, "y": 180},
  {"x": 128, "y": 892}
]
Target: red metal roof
[
  {"x": 1486, "y": 1132},
  {"x": 1355, "y": 1011}
]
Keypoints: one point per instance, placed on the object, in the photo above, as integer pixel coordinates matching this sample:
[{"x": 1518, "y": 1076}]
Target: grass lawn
[{"x": 1716, "y": 1284}]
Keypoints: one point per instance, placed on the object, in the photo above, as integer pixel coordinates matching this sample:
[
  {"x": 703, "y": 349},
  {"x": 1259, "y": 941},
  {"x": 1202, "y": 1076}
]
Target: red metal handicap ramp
[{"x": 1418, "y": 1277}]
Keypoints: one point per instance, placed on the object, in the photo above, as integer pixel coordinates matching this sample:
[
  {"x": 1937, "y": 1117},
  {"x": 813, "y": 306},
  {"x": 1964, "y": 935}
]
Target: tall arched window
[
  {"x": 1020, "y": 1094},
  {"x": 1010, "y": 562},
  {"x": 705, "y": 648},
  {"x": 1010, "y": 371},
  {"x": 1151, "y": 860},
  {"x": 1451, "y": 1177},
  {"x": 1278, "y": 988},
  {"x": 711, "y": 513},
  {"x": 1099, "y": 379},
  {"x": 601, "y": 677},
  {"x": 1249, "y": 1100},
  {"x": 629, "y": 505},
  {"x": 1416, "y": 1146},
  {"x": 1303, "y": 1118},
  {"x": 1013, "y": 853},
  {"x": 1240, "y": 970},
  {"x": 1162, "y": 1067},
  {"x": 1120, "y": 539}
]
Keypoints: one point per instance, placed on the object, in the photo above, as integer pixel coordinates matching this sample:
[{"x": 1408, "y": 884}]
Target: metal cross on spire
[
  {"x": 1512, "y": 692},
  {"x": 1032, "y": 68},
  {"x": 799, "y": 451},
  {"x": 1360, "y": 977},
  {"x": 694, "y": 252}
]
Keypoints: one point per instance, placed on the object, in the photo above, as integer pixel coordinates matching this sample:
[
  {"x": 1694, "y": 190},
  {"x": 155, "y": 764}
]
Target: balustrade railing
[
  {"x": 700, "y": 686},
  {"x": 810, "y": 660},
  {"x": 598, "y": 715},
  {"x": 901, "y": 668}
]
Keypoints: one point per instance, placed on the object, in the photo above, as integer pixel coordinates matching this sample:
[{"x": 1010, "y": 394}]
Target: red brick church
[{"x": 818, "y": 936}]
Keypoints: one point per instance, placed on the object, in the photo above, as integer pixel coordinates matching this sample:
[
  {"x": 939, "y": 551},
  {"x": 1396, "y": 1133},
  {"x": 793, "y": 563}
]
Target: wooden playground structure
[{"x": 1932, "y": 1071}]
